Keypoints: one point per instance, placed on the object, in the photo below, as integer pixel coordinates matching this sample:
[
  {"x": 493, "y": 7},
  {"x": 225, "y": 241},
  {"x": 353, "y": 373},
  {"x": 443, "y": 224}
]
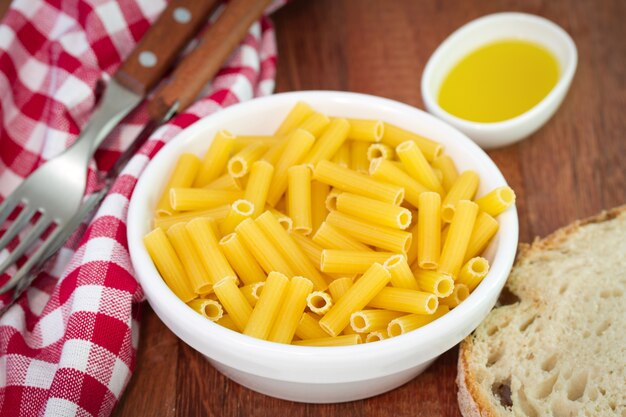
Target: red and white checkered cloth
[{"x": 67, "y": 348}]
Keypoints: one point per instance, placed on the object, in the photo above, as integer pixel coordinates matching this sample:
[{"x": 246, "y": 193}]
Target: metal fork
[{"x": 56, "y": 189}]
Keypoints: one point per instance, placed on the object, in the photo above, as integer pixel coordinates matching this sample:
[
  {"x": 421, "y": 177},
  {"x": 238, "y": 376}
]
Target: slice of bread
[{"x": 558, "y": 348}]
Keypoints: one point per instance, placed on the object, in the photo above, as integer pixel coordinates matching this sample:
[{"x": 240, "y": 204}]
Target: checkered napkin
[{"x": 67, "y": 348}]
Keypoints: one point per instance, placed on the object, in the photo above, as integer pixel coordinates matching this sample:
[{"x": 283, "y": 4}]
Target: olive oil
[{"x": 499, "y": 81}]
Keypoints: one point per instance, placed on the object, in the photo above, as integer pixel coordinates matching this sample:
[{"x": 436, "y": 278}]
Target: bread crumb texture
[{"x": 559, "y": 349}]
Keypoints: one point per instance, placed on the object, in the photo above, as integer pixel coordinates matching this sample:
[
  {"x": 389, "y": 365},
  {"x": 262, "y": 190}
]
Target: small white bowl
[
  {"x": 317, "y": 374},
  {"x": 489, "y": 29}
]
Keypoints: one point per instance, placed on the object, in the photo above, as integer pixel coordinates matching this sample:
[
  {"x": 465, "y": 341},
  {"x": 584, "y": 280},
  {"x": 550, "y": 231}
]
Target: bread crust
[{"x": 472, "y": 403}]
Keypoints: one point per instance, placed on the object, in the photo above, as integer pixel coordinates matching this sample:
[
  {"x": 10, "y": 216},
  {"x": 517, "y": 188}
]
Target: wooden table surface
[{"x": 573, "y": 167}]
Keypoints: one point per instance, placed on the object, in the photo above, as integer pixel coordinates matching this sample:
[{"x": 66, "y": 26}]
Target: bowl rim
[
  {"x": 534, "y": 112},
  {"x": 239, "y": 345}
]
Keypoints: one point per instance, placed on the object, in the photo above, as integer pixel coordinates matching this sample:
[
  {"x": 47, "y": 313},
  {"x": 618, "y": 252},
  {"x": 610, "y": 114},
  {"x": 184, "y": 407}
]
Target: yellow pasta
[
  {"x": 185, "y": 171},
  {"x": 226, "y": 321},
  {"x": 291, "y": 310},
  {"x": 290, "y": 251},
  {"x": 226, "y": 182},
  {"x": 234, "y": 302},
  {"x": 411, "y": 255},
  {"x": 167, "y": 263},
  {"x": 252, "y": 291},
  {"x": 240, "y": 258},
  {"x": 342, "y": 157},
  {"x": 240, "y": 163},
  {"x": 239, "y": 211},
  {"x": 294, "y": 118},
  {"x": 382, "y": 237},
  {"x": 187, "y": 199},
  {"x": 329, "y": 237},
  {"x": 298, "y": 144},
  {"x": 497, "y": 200},
  {"x": 374, "y": 211},
  {"x": 358, "y": 156},
  {"x": 319, "y": 192},
  {"x": 331, "y": 199},
  {"x": 329, "y": 142},
  {"x": 241, "y": 141},
  {"x": 198, "y": 276},
  {"x": 216, "y": 213},
  {"x": 205, "y": 242},
  {"x": 485, "y": 228},
  {"x": 376, "y": 336},
  {"x": 434, "y": 282},
  {"x": 357, "y": 297},
  {"x": 350, "y": 261},
  {"x": 339, "y": 286},
  {"x": 309, "y": 327},
  {"x": 446, "y": 166},
  {"x": 215, "y": 158},
  {"x": 319, "y": 302},
  {"x": 464, "y": 188},
  {"x": 348, "y": 180},
  {"x": 312, "y": 250},
  {"x": 401, "y": 274},
  {"x": 394, "y": 135},
  {"x": 403, "y": 299},
  {"x": 263, "y": 250},
  {"x": 274, "y": 152},
  {"x": 379, "y": 150},
  {"x": 366, "y": 130},
  {"x": 209, "y": 309},
  {"x": 284, "y": 220},
  {"x": 371, "y": 320},
  {"x": 429, "y": 230},
  {"x": 299, "y": 198},
  {"x": 459, "y": 294},
  {"x": 344, "y": 340},
  {"x": 410, "y": 322},
  {"x": 473, "y": 272},
  {"x": 417, "y": 166},
  {"x": 387, "y": 171},
  {"x": 266, "y": 309},
  {"x": 458, "y": 238},
  {"x": 315, "y": 124}
]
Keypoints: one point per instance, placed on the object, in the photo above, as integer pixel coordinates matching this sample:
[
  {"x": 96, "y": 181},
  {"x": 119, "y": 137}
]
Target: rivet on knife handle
[
  {"x": 163, "y": 42},
  {"x": 215, "y": 46}
]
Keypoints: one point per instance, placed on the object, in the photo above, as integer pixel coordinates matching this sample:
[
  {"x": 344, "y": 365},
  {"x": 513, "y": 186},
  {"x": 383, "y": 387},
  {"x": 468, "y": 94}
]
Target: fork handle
[
  {"x": 162, "y": 43},
  {"x": 199, "y": 67}
]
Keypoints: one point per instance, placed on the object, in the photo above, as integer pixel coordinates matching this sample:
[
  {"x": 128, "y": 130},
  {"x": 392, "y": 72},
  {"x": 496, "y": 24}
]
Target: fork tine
[
  {"x": 31, "y": 265},
  {"x": 42, "y": 224},
  {"x": 19, "y": 223},
  {"x": 7, "y": 207}
]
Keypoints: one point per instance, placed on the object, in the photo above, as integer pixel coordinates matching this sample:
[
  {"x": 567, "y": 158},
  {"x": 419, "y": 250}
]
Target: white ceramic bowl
[
  {"x": 485, "y": 30},
  {"x": 313, "y": 374}
]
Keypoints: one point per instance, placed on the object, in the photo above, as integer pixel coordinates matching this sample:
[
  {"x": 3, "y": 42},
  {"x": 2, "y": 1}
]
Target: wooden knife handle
[
  {"x": 201, "y": 65},
  {"x": 162, "y": 43}
]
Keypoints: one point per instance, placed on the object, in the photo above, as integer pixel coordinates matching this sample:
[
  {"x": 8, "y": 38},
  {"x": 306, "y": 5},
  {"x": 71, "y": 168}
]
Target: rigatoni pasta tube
[
  {"x": 459, "y": 294},
  {"x": 339, "y": 287},
  {"x": 242, "y": 261},
  {"x": 401, "y": 274},
  {"x": 298, "y": 144},
  {"x": 446, "y": 166},
  {"x": 209, "y": 309},
  {"x": 319, "y": 192},
  {"x": 343, "y": 340},
  {"x": 366, "y": 130},
  {"x": 387, "y": 171},
  {"x": 358, "y": 156},
  {"x": 429, "y": 230},
  {"x": 357, "y": 297},
  {"x": 215, "y": 158},
  {"x": 348, "y": 180},
  {"x": 291, "y": 310},
  {"x": 319, "y": 302},
  {"x": 379, "y": 150},
  {"x": 497, "y": 200},
  {"x": 342, "y": 157},
  {"x": 350, "y": 262},
  {"x": 241, "y": 141},
  {"x": 284, "y": 220},
  {"x": 473, "y": 272},
  {"x": 464, "y": 188},
  {"x": 168, "y": 264},
  {"x": 410, "y": 322},
  {"x": 225, "y": 182},
  {"x": 198, "y": 276},
  {"x": 185, "y": 199},
  {"x": 252, "y": 292},
  {"x": 315, "y": 123},
  {"x": 185, "y": 171},
  {"x": 417, "y": 166},
  {"x": 298, "y": 113},
  {"x": 299, "y": 198},
  {"x": 329, "y": 143},
  {"x": 382, "y": 237},
  {"x": 216, "y": 213},
  {"x": 266, "y": 309},
  {"x": 312, "y": 250},
  {"x": 371, "y": 320},
  {"x": 374, "y": 211},
  {"x": 485, "y": 228},
  {"x": 234, "y": 302},
  {"x": 309, "y": 327},
  {"x": 376, "y": 336},
  {"x": 394, "y": 135},
  {"x": 205, "y": 242},
  {"x": 329, "y": 237},
  {"x": 403, "y": 299},
  {"x": 434, "y": 282},
  {"x": 263, "y": 250},
  {"x": 239, "y": 211},
  {"x": 227, "y": 321},
  {"x": 289, "y": 249},
  {"x": 458, "y": 237},
  {"x": 240, "y": 163}
]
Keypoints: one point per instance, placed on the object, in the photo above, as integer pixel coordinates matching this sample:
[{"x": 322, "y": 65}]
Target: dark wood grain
[{"x": 573, "y": 167}]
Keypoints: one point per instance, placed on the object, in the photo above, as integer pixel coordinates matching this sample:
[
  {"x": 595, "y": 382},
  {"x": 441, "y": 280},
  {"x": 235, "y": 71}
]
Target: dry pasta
[
  {"x": 184, "y": 173},
  {"x": 216, "y": 158},
  {"x": 299, "y": 198},
  {"x": 374, "y": 211}
]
